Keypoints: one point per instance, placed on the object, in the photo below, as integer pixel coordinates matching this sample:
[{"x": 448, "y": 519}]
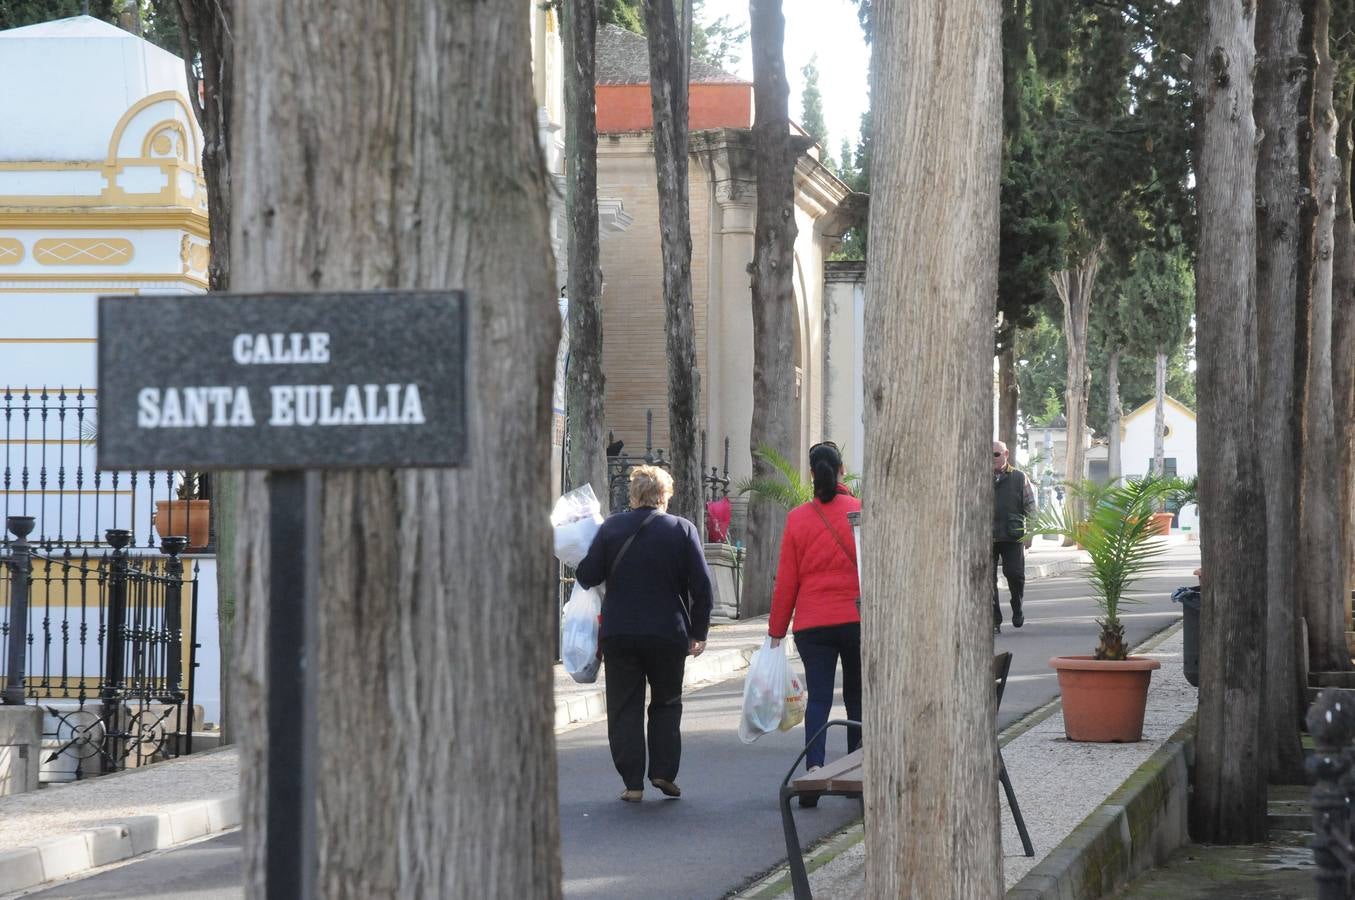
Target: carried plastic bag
[
  {"x": 797, "y": 698},
  {"x": 764, "y": 692},
  {"x": 576, "y": 518},
  {"x": 579, "y": 634}
]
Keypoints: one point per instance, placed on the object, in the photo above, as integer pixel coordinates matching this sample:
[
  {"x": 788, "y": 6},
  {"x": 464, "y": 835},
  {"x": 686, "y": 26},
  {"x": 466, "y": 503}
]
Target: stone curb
[
  {"x": 77, "y": 853},
  {"x": 1137, "y": 828},
  {"x": 1058, "y": 567}
]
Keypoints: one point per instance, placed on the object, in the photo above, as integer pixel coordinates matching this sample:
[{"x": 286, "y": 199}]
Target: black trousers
[
  {"x": 630, "y": 662},
  {"x": 820, "y": 649},
  {"x": 1012, "y": 556}
]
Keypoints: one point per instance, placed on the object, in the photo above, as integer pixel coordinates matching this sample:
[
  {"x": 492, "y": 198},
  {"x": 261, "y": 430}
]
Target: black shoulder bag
[{"x": 626, "y": 546}]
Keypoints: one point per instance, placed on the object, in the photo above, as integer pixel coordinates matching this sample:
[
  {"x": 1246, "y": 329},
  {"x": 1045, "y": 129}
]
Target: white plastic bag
[
  {"x": 579, "y": 634},
  {"x": 576, "y": 517},
  {"x": 764, "y": 692}
]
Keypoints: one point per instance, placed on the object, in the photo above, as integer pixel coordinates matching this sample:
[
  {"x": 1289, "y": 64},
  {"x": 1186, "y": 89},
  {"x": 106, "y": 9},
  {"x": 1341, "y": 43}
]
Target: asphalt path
[{"x": 726, "y": 829}]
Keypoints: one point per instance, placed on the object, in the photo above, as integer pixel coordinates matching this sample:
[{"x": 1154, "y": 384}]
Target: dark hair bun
[{"x": 824, "y": 462}]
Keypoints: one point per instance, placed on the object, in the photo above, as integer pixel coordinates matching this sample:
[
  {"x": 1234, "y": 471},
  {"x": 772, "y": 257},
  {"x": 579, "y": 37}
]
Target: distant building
[
  {"x": 1136, "y": 447},
  {"x": 723, "y": 198}
]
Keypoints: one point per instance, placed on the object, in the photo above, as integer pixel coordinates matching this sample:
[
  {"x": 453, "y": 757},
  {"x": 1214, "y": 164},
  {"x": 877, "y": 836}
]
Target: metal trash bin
[{"x": 1189, "y": 598}]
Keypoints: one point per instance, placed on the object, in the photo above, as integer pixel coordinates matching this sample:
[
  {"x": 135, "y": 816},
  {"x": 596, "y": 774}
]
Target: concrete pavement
[{"x": 58, "y": 832}]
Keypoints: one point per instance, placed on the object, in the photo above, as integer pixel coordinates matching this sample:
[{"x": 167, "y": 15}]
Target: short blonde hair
[{"x": 650, "y": 486}]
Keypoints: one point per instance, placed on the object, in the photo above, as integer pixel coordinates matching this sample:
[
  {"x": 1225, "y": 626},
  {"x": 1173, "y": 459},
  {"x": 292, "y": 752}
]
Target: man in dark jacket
[
  {"x": 655, "y": 612},
  {"x": 1013, "y": 501}
]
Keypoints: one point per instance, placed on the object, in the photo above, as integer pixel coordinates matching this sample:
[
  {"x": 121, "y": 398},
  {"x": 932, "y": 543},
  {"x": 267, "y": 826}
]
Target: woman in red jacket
[{"x": 816, "y": 583}]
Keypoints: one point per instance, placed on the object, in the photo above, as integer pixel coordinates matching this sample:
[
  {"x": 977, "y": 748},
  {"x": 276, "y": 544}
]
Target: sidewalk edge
[
  {"x": 83, "y": 851},
  {"x": 1136, "y": 828}
]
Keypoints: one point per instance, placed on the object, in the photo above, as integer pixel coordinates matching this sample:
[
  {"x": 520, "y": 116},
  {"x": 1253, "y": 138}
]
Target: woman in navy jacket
[{"x": 655, "y": 612}]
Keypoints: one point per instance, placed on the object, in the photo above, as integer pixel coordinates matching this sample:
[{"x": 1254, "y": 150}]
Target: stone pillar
[
  {"x": 20, "y": 748},
  {"x": 843, "y": 342}
]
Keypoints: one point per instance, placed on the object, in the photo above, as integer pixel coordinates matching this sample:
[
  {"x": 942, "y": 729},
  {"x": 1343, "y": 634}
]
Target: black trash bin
[{"x": 1189, "y": 598}]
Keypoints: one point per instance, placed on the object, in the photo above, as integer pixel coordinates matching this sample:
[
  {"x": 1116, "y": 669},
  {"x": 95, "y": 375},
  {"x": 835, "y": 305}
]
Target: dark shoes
[
  {"x": 1018, "y": 617},
  {"x": 667, "y": 787}
]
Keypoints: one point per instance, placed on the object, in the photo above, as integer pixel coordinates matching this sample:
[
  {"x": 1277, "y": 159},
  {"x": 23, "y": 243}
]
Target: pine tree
[{"x": 811, "y": 104}]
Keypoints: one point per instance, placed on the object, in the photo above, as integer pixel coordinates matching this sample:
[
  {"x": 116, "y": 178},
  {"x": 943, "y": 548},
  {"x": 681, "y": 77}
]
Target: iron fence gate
[{"x": 105, "y": 642}]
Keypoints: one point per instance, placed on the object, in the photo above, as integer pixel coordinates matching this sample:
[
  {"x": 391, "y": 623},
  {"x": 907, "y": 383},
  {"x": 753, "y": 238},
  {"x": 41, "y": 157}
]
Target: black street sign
[{"x": 282, "y": 381}]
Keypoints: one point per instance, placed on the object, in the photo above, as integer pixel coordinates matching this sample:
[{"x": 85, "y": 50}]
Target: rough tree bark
[
  {"x": 1343, "y": 338},
  {"x": 931, "y": 802},
  {"x": 1229, "y": 801},
  {"x": 206, "y": 44},
  {"x": 1280, "y": 75},
  {"x": 585, "y": 382},
  {"x": 1008, "y": 391},
  {"x": 393, "y": 146},
  {"x": 668, "y": 98},
  {"x": 1320, "y": 581},
  {"x": 1114, "y": 413},
  {"x": 773, "y": 293},
  {"x": 1159, "y": 412},
  {"x": 1074, "y": 288}
]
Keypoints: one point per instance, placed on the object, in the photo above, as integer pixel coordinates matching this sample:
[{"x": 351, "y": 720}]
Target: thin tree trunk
[
  {"x": 436, "y": 772},
  {"x": 1318, "y": 565},
  {"x": 1343, "y": 341},
  {"x": 1008, "y": 392},
  {"x": 931, "y": 799},
  {"x": 1114, "y": 412},
  {"x": 1159, "y": 413},
  {"x": 773, "y": 293},
  {"x": 668, "y": 98},
  {"x": 1279, "y": 85},
  {"x": 1229, "y": 801},
  {"x": 206, "y": 44},
  {"x": 585, "y": 382},
  {"x": 1075, "y": 291}
]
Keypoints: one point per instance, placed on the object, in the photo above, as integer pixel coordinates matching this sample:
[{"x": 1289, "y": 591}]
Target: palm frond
[{"x": 785, "y": 486}]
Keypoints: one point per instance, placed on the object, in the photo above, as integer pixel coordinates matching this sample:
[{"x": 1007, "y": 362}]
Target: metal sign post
[{"x": 290, "y": 383}]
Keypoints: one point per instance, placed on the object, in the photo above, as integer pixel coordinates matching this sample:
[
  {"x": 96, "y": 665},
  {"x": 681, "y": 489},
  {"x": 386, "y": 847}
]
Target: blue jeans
[{"x": 820, "y": 649}]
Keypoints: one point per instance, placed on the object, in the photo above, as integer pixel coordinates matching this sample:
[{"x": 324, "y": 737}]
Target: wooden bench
[{"x": 846, "y": 777}]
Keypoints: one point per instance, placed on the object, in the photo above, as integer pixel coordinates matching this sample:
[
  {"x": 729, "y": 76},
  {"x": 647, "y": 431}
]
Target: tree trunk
[
  {"x": 1318, "y": 564},
  {"x": 931, "y": 814},
  {"x": 1229, "y": 801},
  {"x": 1114, "y": 412},
  {"x": 1343, "y": 341},
  {"x": 1279, "y": 84},
  {"x": 205, "y": 36},
  {"x": 392, "y": 146},
  {"x": 668, "y": 98},
  {"x": 1075, "y": 291},
  {"x": 1159, "y": 413},
  {"x": 773, "y": 293},
  {"x": 1008, "y": 392},
  {"x": 584, "y": 381}
]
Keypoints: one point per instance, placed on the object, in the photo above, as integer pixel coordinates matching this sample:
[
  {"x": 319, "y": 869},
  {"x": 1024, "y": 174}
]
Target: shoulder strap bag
[
  {"x": 833, "y": 531},
  {"x": 626, "y": 546}
]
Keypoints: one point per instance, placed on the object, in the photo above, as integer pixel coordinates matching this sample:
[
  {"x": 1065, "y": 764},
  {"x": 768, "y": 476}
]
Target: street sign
[{"x": 282, "y": 381}]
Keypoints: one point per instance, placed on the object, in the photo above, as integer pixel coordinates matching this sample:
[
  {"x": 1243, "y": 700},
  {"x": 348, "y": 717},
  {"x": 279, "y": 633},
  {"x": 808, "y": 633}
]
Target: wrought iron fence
[
  {"x": 50, "y": 472},
  {"x": 105, "y": 643},
  {"x": 714, "y": 483},
  {"x": 1331, "y": 722}
]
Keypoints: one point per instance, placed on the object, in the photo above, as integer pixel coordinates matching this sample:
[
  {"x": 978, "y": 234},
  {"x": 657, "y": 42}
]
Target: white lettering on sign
[
  {"x": 294, "y": 348},
  {"x": 291, "y": 405},
  {"x": 305, "y": 405},
  {"x": 194, "y": 407}
]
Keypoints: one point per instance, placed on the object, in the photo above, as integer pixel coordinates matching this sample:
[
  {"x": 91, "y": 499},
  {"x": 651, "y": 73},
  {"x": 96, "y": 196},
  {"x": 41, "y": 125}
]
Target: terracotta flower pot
[
  {"x": 1162, "y": 523},
  {"x": 190, "y": 518},
  {"x": 1104, "y": 699}
]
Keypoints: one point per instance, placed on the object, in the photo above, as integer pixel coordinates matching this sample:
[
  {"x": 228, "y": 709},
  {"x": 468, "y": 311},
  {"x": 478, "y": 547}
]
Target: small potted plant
[
  {"x": 189, "y": 514},
  {"x": 1104, "y": 694}
]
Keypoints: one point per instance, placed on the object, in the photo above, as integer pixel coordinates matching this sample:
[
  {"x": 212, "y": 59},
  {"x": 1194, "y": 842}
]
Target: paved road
[{"x": 726, "y": 828}]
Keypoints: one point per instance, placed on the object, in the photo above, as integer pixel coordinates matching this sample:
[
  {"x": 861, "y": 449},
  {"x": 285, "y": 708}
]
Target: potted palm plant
[
  {"x": 1104, "y": 694},
  {"x": 189, "y": 514}
]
